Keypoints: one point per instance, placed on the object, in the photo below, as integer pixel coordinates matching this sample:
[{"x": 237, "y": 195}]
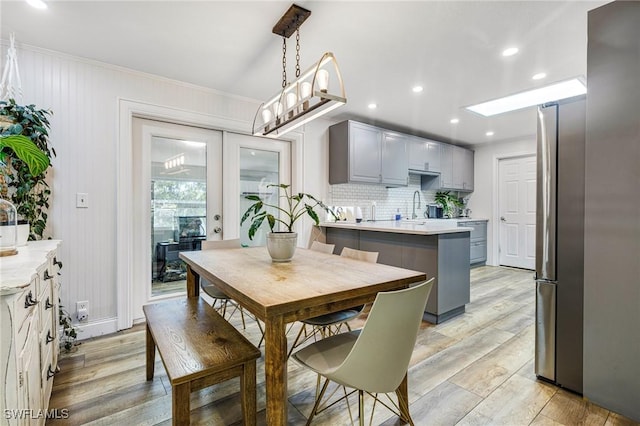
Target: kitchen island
[{"x": 438, "y": 248}]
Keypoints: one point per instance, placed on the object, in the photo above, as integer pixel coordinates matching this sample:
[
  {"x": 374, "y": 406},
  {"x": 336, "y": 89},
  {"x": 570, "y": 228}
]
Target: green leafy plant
[
  {"x": 297, "y": 205},
  {"x": 27, "y": 187},
  {"x": 69, "y": 331},
  {"x": 448, "y": 202},
  {"x": 25, "y": 150}
]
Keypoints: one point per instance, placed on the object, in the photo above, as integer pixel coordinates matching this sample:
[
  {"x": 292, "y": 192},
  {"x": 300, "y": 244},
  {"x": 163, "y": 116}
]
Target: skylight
[{"x": 541, "y": 95}]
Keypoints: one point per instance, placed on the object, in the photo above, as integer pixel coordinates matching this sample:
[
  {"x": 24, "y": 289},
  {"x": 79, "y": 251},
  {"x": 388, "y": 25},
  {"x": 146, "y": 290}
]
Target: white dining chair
[
  {"x": 390, "y": 333},
  {"x": 329, "y": 324},
  {"x": 322, "y": 247},
  {"x": 219, "y": 297}
]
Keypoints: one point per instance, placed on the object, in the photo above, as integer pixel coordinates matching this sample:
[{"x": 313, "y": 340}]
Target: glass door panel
[
  {"x": 258, "y": 169},
  {"x": 178, "y": 208}
]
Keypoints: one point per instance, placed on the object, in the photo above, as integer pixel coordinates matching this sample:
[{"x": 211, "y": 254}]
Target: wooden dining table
[{"x": 311, "y": 284}]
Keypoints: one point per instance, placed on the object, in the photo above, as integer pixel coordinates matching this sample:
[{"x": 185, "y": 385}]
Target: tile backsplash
[{"x": 388, "y": 200}]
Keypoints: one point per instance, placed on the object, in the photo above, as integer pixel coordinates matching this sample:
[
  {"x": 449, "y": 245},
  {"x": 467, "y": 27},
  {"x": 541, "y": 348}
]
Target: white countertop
[
  {"x": 415, "y": 226},
  {"x": 17, "y": 271}
]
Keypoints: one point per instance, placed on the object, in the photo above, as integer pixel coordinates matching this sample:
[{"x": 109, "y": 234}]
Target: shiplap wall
[{"x": 83, "y": 96}]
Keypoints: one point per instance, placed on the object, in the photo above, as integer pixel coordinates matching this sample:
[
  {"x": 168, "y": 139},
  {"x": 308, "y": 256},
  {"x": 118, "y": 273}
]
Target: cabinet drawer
[
  {"x": 25, "y": 304},
  {"x": 478, "y": 251},
  {"x": 28, "y": 326},
  {"x": 47, "y": 338},
  {"x": 479, "y": 231}
]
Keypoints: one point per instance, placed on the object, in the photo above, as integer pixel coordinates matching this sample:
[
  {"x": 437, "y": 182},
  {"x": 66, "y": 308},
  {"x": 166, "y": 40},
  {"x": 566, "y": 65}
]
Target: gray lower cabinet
[
  {"x": 444, "y": 256},
  {"x": 478, "y": 241}
]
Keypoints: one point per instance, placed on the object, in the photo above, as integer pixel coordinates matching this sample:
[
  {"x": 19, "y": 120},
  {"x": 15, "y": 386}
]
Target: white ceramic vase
[{"x": 282, "y": 245}]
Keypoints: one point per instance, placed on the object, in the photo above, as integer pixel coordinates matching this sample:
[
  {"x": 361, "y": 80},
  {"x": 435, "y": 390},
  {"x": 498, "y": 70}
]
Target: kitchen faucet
[{"x": 414, "y": 215}]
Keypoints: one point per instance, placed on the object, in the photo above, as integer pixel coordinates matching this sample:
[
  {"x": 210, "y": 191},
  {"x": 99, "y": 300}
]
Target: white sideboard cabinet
[{"x": 29, "y": 341}]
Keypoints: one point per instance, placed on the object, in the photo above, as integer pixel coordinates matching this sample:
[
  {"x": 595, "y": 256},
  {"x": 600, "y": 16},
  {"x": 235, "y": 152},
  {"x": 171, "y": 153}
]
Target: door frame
[
  {"x": 495, "y": 234},
  {"x": 127, "y": 109}
]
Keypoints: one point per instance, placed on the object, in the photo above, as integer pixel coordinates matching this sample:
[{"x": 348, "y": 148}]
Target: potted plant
[
  {"x": 448, "y": 202},
  {"x": 36, "y": 161},
  {"x": 281, "y": 244},
  {"x": 21, "y": 183}
]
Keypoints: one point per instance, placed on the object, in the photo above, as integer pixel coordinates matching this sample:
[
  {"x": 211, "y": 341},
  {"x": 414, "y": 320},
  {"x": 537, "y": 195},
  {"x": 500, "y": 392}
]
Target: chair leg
[
  {"x": 296, "y": 342},
  {"x": 261, "y": 332},
  {"x": 317, "y": 403}
]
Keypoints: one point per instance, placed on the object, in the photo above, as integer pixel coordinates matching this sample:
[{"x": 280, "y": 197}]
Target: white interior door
[
  {"x": 517, "y": 204},
  {"x": 177, "y": 203}
]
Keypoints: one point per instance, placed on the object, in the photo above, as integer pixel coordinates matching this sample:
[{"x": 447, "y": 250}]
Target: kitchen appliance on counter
[
  {"x": 560, "y": 242},
  {"x": 434, "y": 211}
]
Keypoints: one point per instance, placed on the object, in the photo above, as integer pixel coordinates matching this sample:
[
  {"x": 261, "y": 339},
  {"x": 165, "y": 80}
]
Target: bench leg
[
  {"x": 180, "y": 404},
  {"x": 151, "y": 354},
  {"x": 248, "y": 392}
]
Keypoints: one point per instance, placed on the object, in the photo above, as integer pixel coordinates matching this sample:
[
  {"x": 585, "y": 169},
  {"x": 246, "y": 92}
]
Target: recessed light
[
  {"x": 372, "y": 106},
  {"x": 510, "y": 51},
  {"x": 539, "y": 76},
  {"x": 541, "y": 95},
  {"x": 454, "y": 121},
  {"x": 417, "y": 89},
  {"x": 38, "y": 4},
  {"x": 489, "y": 133}
]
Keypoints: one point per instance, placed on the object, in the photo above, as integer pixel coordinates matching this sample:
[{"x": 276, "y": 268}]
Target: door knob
[
  {"x": 216, "y": 217},
  {"x": 503, "y": 219},
  {"x": 217, "y": 230}
]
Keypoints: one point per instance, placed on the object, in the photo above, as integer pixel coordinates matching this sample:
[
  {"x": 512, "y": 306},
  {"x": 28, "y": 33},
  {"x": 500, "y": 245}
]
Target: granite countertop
[{"x": 415, "y": 226}]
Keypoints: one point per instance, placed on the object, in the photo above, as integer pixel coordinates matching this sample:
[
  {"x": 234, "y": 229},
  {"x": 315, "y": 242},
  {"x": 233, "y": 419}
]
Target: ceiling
[{"x": 384, "y": 48}]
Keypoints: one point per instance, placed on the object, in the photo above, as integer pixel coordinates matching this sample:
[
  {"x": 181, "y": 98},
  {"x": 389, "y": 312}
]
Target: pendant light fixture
[{"x": 309, "y": 96}]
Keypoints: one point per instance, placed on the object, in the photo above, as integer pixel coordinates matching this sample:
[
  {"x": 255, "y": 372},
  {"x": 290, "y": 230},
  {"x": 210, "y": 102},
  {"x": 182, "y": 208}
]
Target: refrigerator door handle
[{"x": 546, "y": 192}]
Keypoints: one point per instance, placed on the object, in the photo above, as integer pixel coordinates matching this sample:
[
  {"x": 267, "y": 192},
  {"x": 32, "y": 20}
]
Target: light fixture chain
[
  {"x": 284, "y": 62},
  {"x": 298, "y": 52}
]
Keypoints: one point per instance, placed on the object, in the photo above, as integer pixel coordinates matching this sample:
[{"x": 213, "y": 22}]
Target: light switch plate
[{"x": 82, "y": 200}]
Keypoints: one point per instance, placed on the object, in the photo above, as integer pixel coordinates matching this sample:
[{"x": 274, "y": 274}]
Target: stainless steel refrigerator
[{"x": 560, "y": 242}]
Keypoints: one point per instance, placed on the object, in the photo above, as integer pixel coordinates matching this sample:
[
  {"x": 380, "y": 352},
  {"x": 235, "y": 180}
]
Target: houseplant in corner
[
  {"x": 36, "y": 162},
  {"x": 281, "y": 244},
  {"x": 28, "y": 189}
]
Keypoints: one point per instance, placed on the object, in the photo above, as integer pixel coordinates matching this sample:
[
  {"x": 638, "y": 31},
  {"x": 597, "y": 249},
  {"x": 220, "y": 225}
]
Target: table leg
[
  {"x": 193, "y": 283},
  {"x": 275, "y": 355},
  {"x": 403, "y": 400}
]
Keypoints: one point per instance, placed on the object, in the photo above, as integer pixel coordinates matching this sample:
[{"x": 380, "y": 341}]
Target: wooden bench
[{"x": 199, "y": 349}]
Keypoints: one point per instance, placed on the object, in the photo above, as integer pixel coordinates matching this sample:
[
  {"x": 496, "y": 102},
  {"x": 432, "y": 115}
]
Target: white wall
[
  {"x": 482, "y": 200},
  {"x": 84, "y": 96}
]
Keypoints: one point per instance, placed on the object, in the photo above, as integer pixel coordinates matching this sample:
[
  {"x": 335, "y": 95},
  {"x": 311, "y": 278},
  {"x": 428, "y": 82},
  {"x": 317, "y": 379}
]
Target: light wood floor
[{"x": 476, "y": 369}]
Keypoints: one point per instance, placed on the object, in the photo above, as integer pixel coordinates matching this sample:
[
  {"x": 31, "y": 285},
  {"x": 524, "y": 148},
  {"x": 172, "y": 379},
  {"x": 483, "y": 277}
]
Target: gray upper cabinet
[
  {"x": 395, "y": 161},
  {"x": 366, "y": 154},
  {"x": 456, "y": 168},
  {"x": 467, "y": 169},
  {"x": 424, "y": 155}
]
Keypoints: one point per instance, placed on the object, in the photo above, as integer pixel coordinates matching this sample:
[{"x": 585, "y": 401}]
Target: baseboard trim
[{"x": 97, "y": 328}]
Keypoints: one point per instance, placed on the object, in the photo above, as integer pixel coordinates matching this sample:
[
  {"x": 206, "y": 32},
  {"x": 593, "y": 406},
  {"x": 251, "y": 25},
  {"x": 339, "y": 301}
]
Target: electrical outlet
[{"x": 82, "y": 310}]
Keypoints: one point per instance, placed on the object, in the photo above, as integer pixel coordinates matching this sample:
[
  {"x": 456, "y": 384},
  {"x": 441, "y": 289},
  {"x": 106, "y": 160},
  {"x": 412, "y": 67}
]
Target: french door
[
  {"x": 178, "y": 194},
  {"x": 177, "y": 203}
]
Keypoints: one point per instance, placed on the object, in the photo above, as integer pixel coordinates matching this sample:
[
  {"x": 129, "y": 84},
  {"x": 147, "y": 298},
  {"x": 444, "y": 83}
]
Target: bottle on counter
[
  {"x": 373, "y": 211},
  {"x": 398, "y": 215},
  {"x": 358, "y": 214}
]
